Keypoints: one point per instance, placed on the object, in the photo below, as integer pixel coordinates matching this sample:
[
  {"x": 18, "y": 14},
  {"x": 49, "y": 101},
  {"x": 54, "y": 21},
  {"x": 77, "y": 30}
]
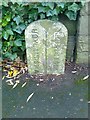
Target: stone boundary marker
[{"x": 46, "y": 43}]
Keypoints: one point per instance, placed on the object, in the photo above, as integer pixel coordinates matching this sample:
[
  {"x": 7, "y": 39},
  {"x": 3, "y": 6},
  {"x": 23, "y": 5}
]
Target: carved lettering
[
  {"x": 34, "y": 34},
  {"x": 57, "y": 35}
]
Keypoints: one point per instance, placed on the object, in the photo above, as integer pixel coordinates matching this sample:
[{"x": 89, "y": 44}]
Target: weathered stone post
[
  {"x": 46, "y": 43},
  {"x": 82, "y": 36}
]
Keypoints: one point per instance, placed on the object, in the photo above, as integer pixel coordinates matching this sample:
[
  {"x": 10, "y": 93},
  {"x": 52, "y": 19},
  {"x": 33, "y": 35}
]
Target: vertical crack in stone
[{"x": 45, "y": 52}]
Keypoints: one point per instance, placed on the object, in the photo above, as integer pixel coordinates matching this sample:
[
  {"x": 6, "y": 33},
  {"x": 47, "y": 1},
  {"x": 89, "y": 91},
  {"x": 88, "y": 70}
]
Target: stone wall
[
  {"x": 0, "y": 36},
  {"x": 72, "y": 27},
  {"x": 82, "y": 36}
]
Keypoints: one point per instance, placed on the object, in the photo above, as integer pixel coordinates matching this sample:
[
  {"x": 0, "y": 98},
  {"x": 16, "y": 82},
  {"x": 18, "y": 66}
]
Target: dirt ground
[{"x": 73, "y": 72}]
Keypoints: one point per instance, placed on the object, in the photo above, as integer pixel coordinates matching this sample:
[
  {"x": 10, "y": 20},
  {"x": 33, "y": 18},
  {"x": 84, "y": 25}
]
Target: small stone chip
[
  {"x": 81, "y": 100},
  {"x": 37, "y": 84},
  {"x": 52, "y": 97},
  {"x": 70, "y": 94},
  {"x": 22, "y": 107},
  {"x": 34, "y": 108}
]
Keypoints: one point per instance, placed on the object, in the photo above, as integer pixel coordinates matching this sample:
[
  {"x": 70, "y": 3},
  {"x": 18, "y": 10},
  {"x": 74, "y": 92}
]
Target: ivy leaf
[
  {"x": 54, "y": 18},
  {"x": 10, "y": 55},
  {"x": 35, "y": 17},
  {"x": 11, "y": 43},
  {"x": 23, "y": 47},
  {"x": 71, "y": 15},
  {"x": 51, "y": 5},
  {"x": 58, "y": 9},
  {"x": 4, "y": 23},
  {"x": 49, "y": 13},
  {"x": 74, "y": 7},
  {"x": 5, "y": 3},
  {"x": 55, "y": 12},
  {"x": 18, "y": 42},
  {"x": 8, "y": 17},
  {"x": 60, "y": 4},
  {"x": 42, "y": 15},
  {"x": 7, "y": 54},
  {"x": 10, "y": 32},
  {"x": 19, "y": 29},
  {"x": 0, "y": 45},
  {"x": 5, "y": 35},
  {"x": 44, "y": 4},
  {"x": 0, "y": 20},
  {"x": 22, "y": 26},
  {"x": 17, "y": 19},
  {"x": 41, "y": 9},
  {"x": 13, "y": 56}
]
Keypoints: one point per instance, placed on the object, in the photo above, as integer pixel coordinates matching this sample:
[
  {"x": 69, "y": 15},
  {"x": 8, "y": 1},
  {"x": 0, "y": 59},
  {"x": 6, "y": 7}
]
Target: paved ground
[{"x": 64, "y": 96}]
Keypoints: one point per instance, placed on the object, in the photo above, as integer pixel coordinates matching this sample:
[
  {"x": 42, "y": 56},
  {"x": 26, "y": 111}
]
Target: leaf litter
[{"x": 13, "y": 70}]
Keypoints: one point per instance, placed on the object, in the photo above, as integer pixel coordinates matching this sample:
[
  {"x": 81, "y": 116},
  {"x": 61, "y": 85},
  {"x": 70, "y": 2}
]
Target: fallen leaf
[
  {"x": 17, "y": 81},
  {"x": 24, "y": 84},
  {"x": 86, "y": 77},
  {"x": 10, "y": 73},
  {"x": 3, "y": 77},
  {"x": 22, "y": 70},
  {"x": 0, "y": 64},
  {"x": 10, "y": 82},
  {"x": 29, "y": 97},
  {"x": 14, "y": 85},
  {"x": 15, "y": 72},
  {"x": 26, "y": 68},
  {"x": 74, "y": 72}
]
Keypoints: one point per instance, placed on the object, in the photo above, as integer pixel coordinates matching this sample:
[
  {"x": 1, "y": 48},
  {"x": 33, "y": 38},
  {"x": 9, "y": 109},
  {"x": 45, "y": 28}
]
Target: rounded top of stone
[{"x": 45, "y": 23}]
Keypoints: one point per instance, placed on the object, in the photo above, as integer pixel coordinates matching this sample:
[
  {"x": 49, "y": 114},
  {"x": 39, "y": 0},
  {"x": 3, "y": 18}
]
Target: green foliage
[{"x": 17, "y": 16}]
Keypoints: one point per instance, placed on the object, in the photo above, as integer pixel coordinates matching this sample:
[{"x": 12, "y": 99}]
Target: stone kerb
[{"x": 46, "y": 43}]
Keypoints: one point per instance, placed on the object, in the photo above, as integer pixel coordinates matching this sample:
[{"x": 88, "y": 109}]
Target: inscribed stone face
[{"x": 46, "y": 43}]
